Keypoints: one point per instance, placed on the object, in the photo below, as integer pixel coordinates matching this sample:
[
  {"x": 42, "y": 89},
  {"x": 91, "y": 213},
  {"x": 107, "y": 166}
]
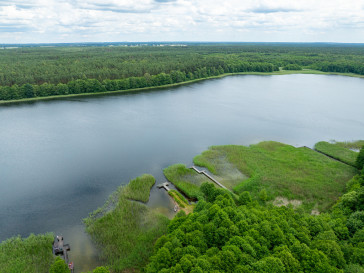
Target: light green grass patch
[
  {"x": 127, "y": 233},
  {"x": 353, "y": 145},
  {"x": 139, "y": 188},
  {"x": 337, "y": 151},
  {"x": 32, "y": 254},
  {"x": 186, "y": 180},
  {"x": 283, "y": 170},
  {"x": 224, "y": 171}
]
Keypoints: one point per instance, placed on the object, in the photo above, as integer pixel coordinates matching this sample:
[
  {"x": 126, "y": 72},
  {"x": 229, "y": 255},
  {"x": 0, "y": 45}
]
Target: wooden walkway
[
  {"x": 164, "y": 185},
  {"x": 209, "y": 176}
]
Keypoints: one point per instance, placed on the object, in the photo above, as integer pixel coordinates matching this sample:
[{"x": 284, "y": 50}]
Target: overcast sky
[{"x": 39, "y": 21}]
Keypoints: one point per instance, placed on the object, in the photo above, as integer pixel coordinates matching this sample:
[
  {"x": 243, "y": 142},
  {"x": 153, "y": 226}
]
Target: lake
[{"x": 61, "y": 159}]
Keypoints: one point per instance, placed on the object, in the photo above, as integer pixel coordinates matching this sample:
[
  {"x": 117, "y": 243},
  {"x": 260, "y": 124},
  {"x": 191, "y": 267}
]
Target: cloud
[{"x": 181, "y": 20}]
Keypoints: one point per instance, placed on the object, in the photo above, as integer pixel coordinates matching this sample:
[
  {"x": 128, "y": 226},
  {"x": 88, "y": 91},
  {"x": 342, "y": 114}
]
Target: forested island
[
  {"x": 31, "y": 72},
  {"x": 284, "y": 209}
]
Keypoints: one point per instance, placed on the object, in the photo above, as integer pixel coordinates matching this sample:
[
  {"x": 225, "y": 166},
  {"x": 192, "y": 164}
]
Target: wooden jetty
[
  {"x": 164, "y": 185},
  {"x": 61, "y": 249},
  {"x": 208, "y": 176}
]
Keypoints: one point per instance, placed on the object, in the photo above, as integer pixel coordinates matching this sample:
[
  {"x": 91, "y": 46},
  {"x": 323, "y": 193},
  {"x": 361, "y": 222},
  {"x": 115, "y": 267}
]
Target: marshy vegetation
[
  {"x": 138, "y": 189},
  {"x": 31, "y": 254},
  {"x": 186, "y": 180},
  {"x": 339, "y": 151},
  {"x": 127, "y": 232},
  {"x": 283, "y": 170}
]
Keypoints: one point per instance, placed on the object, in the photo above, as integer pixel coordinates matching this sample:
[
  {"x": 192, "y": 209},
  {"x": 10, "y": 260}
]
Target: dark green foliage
[
  {"x": 221, "y": 236},
  {"x": 32, "y": 254},
  {"x": 292, "y": 67},
  {"x": 59, "y": 266},
  {"x": 360, "y": 159},
  {"x": 101, "y": 269},
  {"x": 41, "y": 72}
]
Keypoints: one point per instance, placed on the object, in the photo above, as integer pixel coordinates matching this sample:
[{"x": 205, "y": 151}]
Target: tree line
[
  {"x": 230, "y": 234},
  {"x": 42, "y": 71}
]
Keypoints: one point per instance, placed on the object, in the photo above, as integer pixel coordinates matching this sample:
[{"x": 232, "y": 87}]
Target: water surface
[{"x": 59, "y": 160}]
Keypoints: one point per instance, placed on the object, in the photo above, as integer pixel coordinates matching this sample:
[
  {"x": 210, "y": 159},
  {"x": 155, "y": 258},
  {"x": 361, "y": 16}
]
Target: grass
[
  {"x": 32, "y": 254},
  {"x": 185, "y": 180},
  {"x": 354, "y": 145},
  {"x": 224, "y": 172},
  {"x": 181, "y": 201},
  {"x": 139, "y": 188},
  {"x": 126, "y": 233},
  {"x": 179, "y": 198},
  {"x": 282, "y": 72},
  {"x": 283, "y": 170},
  {"x": 337, "y": 151}
]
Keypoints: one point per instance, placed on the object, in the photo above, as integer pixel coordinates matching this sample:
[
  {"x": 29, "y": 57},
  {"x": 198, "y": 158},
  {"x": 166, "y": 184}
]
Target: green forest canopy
[{"x": 29, "y": 72}]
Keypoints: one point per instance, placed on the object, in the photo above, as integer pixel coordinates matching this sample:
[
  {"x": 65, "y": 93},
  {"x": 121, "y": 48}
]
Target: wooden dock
[
  {"x": 164, "y": 185},
  {"x": 209, "y": 176}
]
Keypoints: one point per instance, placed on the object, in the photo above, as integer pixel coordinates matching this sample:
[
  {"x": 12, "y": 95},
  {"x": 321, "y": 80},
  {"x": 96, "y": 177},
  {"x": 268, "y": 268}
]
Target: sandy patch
[{"x": 282, "y": 201}]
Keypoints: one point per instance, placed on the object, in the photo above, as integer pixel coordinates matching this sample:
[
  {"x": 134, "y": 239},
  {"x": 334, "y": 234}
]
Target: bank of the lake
[
  {"x": 82, "y": 150},
  {"x": 135, "y": 90}
]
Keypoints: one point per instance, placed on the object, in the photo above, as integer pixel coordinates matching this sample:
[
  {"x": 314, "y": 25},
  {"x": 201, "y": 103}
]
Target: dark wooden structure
[{"x": 61, "y": 249}]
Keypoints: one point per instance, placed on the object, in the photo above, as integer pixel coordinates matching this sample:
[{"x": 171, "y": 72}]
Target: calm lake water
[{"x": 59, "y": 160}]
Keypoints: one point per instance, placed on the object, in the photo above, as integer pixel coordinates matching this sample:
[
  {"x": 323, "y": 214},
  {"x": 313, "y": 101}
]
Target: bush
[{"x": 59, "y": 266}]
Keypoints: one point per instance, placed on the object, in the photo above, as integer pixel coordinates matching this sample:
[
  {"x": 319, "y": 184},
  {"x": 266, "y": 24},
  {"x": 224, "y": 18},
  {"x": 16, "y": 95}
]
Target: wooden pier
[
  {"x": 164, "y": 185},
  {"x": 61, "y": 249},
  {"x": 209, "y": 176}
]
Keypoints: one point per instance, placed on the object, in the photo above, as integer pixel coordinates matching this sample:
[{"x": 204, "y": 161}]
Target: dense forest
[
  {"x": 28, "y": 72},
  {"x": 227, "y": 235}
]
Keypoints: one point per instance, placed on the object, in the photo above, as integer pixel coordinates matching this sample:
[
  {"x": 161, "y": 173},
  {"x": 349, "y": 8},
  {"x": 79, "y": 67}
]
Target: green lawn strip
[
  {"x": 126, "y": 234},
  {"x": 181, "y": 201},
  {"x": 338, "y": 152},
  {"x": 283, "y": 170},
  {"x": 186, "y": 180},
  {"x": 356, "y": 145},
  {"x": 32, "y": 254},
  {"x": 139, "y": 188}
]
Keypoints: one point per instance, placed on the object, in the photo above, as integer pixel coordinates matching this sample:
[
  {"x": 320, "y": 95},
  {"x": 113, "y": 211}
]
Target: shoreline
[{"x": 136, "y": 90}]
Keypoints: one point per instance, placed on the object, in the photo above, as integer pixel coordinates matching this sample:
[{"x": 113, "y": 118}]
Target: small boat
[{"x": 175, "y": 208}]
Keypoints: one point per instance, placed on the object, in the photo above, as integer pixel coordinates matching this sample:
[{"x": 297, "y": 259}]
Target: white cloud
[{"x": 181, "y": 20}]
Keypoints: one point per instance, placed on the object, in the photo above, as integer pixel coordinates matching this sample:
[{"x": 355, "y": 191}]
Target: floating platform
[{"x": 164, "y": 185}]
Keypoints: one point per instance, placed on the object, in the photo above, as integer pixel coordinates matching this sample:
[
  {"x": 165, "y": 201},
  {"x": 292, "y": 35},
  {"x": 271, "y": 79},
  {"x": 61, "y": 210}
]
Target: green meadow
[
  {"x": 186, "y": 180},
  {"x": 339, "y": 151},
  {"x": 283, "y": 171}
]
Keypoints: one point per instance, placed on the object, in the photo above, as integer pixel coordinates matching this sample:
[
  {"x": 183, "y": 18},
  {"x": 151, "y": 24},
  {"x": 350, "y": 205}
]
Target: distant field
[
  {"x": 283, "y": 170},
  {"x": 338, "y": 151}
]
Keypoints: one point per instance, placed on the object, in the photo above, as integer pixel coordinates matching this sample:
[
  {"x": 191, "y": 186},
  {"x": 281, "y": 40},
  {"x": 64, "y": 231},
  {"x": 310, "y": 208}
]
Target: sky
[{"x": 51, "y": 21}]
